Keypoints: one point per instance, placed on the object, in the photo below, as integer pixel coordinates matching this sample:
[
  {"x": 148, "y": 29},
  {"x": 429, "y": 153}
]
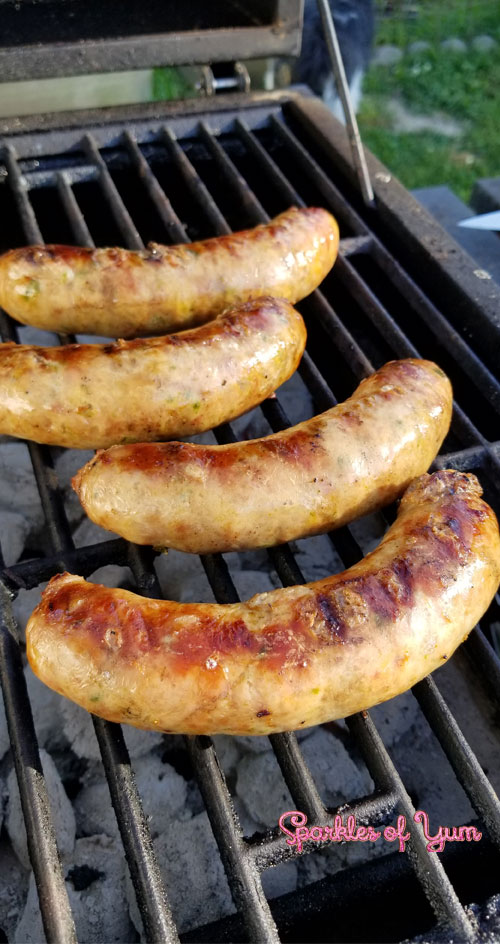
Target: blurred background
[{"x": 430, "y": 108}]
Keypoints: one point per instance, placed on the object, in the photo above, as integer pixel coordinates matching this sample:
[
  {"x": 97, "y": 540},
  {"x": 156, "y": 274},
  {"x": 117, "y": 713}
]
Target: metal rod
[
  {"x": 345, "y": 97},
  {"x": 431, "y": 874}
]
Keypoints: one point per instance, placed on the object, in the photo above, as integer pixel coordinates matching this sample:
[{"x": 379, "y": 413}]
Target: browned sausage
[
  {"x": 88, "y": 395},
  {"x": 286, "y": 659},
  {"x": 318, "y": 475},
  {"x": 124, "y": 293}
]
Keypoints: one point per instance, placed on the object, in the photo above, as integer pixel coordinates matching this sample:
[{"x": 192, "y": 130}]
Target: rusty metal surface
[{"x": 71, "y": 44}]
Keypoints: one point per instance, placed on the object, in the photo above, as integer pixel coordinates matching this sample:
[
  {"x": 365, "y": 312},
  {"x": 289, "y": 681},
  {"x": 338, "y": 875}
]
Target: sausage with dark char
[
  {"x": 128, "y": 293},
  {"x": 289, "y": 658},
  {"x": 319, "y": 475}
]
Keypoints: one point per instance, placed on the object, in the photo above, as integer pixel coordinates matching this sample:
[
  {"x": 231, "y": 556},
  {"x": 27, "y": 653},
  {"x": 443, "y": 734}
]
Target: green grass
[
  {"x": 462, "y": 86},
  {"x": 170, "y": 83},
  {"x": 434, "y": 20}
]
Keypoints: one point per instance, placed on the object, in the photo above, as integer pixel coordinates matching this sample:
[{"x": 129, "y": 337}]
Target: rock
[
  {"x": 79, "y": 730},
  {"x": 394, "y": 718},
  {"x": 194, "y": 877},
  {"x": 14, "y": 530},
  {"x": 294, "y": 398},
  {"x": 254, "y": 745},
  {"x": 13, "y": 889},
  {"x": 29, "y": 335},
  {"x": 62, "y": 813},
  {"x": 418, "y": 47},
  {"x": 387, "y": 55},
  {"x": 247, "y": 823},
  {"x": 177, "y": 570},
  {"x": 484, "y": 43},
  {"x": 24, "y": 604},
  {"x": 46, "y": 707},
  {"x": 95, "y": 881},
  {"x": 250, "y": 582},
  {"x": 455, "y": 45},
  {"x": 67, "y": 464},
  {"x": 368, "y": 531},
  {"x": 163, "y": 793},
  {"x": 112, "y": 575},
  {"x": 226, "y": 748},
  {"x": 337, "y": 778},
  {"x": 4, "y": 734},
  {"x": 196, "y": 588},
  {"x": 317, "y": 557},
  {"x": 89, "y": 533},
  {"x": 262, "y": 790},
  {"x": 280, "y": 880},
  {"x": 18, "y": 486}
]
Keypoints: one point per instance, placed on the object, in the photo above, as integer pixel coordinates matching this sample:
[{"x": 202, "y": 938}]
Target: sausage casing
[
  {"x": 88, "y": 396},
  {"x": 125, "y": 293},
  {"x": 289, "y": 658},
  {"x": 327, "y": 471}
]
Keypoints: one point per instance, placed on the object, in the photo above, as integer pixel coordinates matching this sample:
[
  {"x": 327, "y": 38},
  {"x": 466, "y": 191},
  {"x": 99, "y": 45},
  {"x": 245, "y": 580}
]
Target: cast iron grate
[{"x": 224, "y": 171}]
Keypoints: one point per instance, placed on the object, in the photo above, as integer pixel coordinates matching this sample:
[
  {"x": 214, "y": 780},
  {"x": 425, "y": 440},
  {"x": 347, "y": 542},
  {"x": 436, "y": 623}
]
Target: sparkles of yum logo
[{"x": 349, "y": 831}]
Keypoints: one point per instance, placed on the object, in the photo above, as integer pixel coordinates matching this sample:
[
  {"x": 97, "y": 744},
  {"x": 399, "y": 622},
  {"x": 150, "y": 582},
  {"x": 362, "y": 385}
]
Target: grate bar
[
  {"x": 120, "y": 213},
  {"x": 463, "y": 426},
  {"x": 72, "y": 210},
  {"x": 244, "y": 881},
  {"x": 156, "y": 916},
  {"x": 194, "y": 183},
  {"x": 484, "y": 658},
  {"x": 398, "y": 341},
  {"x": 335, "y": 200},
  {"x": 156, "y": 193},
  {"x": 244, "y": 878},
  {"x": 297, "y": 776},
  {"x": 152, "y": 900},
  {"x": 428, "y": 313},
  {"x": 373, "y": 809},
  {"x": 463, "y": 760},
  {"x": 317, "y": 303},
  {"x": 30, "y": 573},
  {"x": 427, "y": 866},
  {"x": 54, "y": 903},
  {"x": 19, "y": 187}
]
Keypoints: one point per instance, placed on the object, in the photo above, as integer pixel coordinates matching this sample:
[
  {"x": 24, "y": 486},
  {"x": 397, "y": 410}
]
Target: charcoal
[{"x": 62, "y": 811}]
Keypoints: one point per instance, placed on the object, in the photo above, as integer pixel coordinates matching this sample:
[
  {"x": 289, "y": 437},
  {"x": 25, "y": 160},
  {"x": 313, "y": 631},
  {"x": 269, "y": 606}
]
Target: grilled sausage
[
  {"x": 289, "y": 658},
  {"x": 318, "y": 475},
  {"x": 87, "y": 395},
  {"x": 124, "y": 293}
]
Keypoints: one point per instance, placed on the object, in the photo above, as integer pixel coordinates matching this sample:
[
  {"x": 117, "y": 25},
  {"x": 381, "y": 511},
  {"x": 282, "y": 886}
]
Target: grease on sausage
[
  {"x": 126, "y": 293},
  {"x": 88, "y": 396},
  {"x": 327, "y": 471},
  {"x": 289, "y": 658}
]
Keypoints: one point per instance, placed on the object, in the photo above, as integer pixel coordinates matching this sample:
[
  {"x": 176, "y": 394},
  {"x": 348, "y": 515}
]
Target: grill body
[{"x": 400, "y": 288}]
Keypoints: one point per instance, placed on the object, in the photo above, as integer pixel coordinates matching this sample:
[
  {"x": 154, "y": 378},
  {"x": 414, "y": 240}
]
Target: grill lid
[{"x": 65, "y": 37}]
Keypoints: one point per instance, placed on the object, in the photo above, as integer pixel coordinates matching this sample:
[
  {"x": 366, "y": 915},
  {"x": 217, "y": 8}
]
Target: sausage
[
  {"x": 124, "y": 293},
  {"x": 318, "y": 475},
  {"x": 87, "y": 395},
  {"x": 290, "y": 658}
]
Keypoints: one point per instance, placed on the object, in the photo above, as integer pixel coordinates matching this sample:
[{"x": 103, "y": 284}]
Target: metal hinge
[{"x": 226, "y": 77}]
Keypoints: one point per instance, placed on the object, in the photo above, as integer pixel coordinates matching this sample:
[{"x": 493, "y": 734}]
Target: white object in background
[{"x": 489, "y": 221}]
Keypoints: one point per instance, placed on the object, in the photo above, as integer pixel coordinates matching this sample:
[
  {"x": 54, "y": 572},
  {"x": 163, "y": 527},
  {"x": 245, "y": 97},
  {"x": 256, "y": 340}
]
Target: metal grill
[{"x": 217, "y": 172}]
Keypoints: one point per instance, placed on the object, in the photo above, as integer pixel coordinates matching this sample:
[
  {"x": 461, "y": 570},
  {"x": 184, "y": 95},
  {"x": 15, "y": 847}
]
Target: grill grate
[{"x": 219, "y": 173}]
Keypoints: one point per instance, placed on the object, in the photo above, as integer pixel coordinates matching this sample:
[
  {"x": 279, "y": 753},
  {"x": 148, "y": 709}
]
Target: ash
[{"x": 93, "y": 861}]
